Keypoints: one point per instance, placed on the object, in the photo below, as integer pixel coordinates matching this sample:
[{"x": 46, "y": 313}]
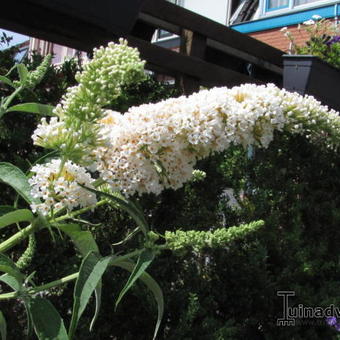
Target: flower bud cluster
[
  {"x": 101, "y": 81},
  {"x": 35, "y": 77},
  {"x": 58, "y": 186},
  {"x": 196, "y": 240}
]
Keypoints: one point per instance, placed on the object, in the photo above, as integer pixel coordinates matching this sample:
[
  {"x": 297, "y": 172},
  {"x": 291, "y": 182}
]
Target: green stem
[
  {"x": 66, "y": 279},
  {"x": 55, "y": 283},
  {"x": 18, "y": 237},
  {"x": 11, "y": 97},
  {"x": 78, "y": 212},
  {"x": 8, "y": 296}
]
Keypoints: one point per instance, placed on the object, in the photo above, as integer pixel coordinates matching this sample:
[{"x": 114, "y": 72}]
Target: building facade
[
  {"x": 272, "y": 15},
  {"x": 261, "y": 19}
]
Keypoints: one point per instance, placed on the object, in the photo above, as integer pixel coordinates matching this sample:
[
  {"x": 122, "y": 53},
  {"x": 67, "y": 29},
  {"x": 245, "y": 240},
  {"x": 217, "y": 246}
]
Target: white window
[
  {"x": 280, "y": 5},
  {"x": 302, "y": 2},
  {"x": 163, "y": 34},
  {"x": 277, "y": 4}
]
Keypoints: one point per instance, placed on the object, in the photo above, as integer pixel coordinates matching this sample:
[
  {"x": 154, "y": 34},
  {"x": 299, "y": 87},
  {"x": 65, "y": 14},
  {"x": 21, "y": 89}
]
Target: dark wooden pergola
[{"x": 211, "y": 54}]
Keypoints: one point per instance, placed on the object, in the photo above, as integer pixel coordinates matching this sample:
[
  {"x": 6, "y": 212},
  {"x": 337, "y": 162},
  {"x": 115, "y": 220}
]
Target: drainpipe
[{"x": 336, "y": 14}]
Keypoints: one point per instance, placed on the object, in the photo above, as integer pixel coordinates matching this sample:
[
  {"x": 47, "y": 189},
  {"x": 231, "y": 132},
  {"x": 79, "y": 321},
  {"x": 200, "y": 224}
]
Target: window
[
  {"x": 270, "y": 6},
  {"x": 163, "y": 34},
  {"x": 277, "y": 4},
  {"x": 301, "y": 2}
]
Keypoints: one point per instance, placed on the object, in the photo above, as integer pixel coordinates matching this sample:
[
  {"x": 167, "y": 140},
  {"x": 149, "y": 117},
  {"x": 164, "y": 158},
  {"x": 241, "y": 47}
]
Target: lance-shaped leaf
[
  {"x": 82, "y": 239},
  {"x": 40, "y": 109},
  {"x": 14, "y": 177},
  {"x": 4, "y": 209},
  {"x": 126, "y": 205},
  {"x": 6, "y": 81},
  {"x": 20, "y": 215},
  {"x": 85, "y": 243},
  {"x": 29, "y": 318},
  {"x": 9, "y": 267},
  {"x": 23, "y": 72},
  {"x": 46, "y": 320},
  {"x": 152, "y": 285},
  {"x": 3, "y": 327},
  {"x": 144, "y": 260},
  {"x": 90, "y": 274},
  {"x": 11, "y": 282}
]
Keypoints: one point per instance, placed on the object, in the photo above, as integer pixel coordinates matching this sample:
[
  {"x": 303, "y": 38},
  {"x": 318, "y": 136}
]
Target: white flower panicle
[
  {"x": 74, "y": 132},
  {"x": 155, "y": 146},
  {"x": 58, "y": 186}
]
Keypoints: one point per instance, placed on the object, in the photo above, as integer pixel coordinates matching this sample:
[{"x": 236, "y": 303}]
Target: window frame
[{"x": 266, "y": 11}]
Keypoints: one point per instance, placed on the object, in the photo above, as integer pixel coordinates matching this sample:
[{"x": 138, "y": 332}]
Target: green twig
[{"x": 78, "y": 212}]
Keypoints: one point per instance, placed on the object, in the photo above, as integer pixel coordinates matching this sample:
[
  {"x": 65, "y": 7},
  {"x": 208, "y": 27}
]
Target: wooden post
[{"x": 194, "y": 45}]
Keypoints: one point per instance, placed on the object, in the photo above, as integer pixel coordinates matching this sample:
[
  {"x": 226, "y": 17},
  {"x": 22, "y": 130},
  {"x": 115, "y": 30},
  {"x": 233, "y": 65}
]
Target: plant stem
[
  {"x": 55, "y": 283},
  {"x": 18, "y": 237},
  {"x": 78, "y": 212},
  {"x": 66, "y": 279},
  {"x": 11, "y": 97},
  {"x": 8, "y": 296}
]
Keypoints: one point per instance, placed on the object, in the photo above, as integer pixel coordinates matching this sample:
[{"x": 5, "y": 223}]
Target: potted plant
[{"x": 314, "y": 68}]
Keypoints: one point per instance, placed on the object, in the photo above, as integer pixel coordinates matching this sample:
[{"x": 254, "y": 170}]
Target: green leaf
[
  {"x": 40, "y": 109},
  {"x": 82, "y": 239},
  {"x": 11, "y": 282},
  {"x": 11, "y": 70},
  {"x": 126, "y": 205},
  {"x": 85, "y": 243},
  {"x": 9, "y": 267},
  {"x": 90, "y": 273},
  {"x": 14, "y": 177},
  {"x": 3, "y": 327},
  {"x": 16, "y": 216},
  {"x": 48, "y": 324},
  {"x": 23, "y": 72},
  {"x": 29, "y": 318},
  {"x": 153, "y": 287},
  {"x": 4, "y": 209},
  {"x": 144, "y": 260},
  {"x": 6, "y": 81}
]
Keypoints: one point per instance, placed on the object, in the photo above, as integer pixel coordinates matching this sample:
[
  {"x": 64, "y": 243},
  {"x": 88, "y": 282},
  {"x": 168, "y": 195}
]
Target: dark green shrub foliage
[{"x": 214, "y": 294}]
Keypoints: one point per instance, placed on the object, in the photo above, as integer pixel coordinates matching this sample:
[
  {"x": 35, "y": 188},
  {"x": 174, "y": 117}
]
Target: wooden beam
[
  {"x": 46, "y": 22},
  {"x": 168, "y": 12},
  {"x": 177, "y": 63}
]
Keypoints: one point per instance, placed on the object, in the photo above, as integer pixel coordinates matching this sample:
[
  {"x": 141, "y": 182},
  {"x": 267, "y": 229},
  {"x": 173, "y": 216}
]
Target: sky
[{"x": 17, "y": 38}]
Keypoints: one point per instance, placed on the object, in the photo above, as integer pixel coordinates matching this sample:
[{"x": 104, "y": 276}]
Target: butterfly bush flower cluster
[
  {"x": 58, "y": 186},
  {"x": 73, "y": 132},
  {"x": 156, "y": 146}
]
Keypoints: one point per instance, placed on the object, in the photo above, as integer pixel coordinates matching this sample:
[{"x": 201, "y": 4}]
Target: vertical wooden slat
[{"x": 192, "y": 44}]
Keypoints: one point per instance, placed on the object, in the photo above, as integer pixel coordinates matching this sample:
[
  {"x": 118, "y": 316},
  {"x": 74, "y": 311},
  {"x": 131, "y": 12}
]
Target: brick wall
[{"x": 276, "y": 38}]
